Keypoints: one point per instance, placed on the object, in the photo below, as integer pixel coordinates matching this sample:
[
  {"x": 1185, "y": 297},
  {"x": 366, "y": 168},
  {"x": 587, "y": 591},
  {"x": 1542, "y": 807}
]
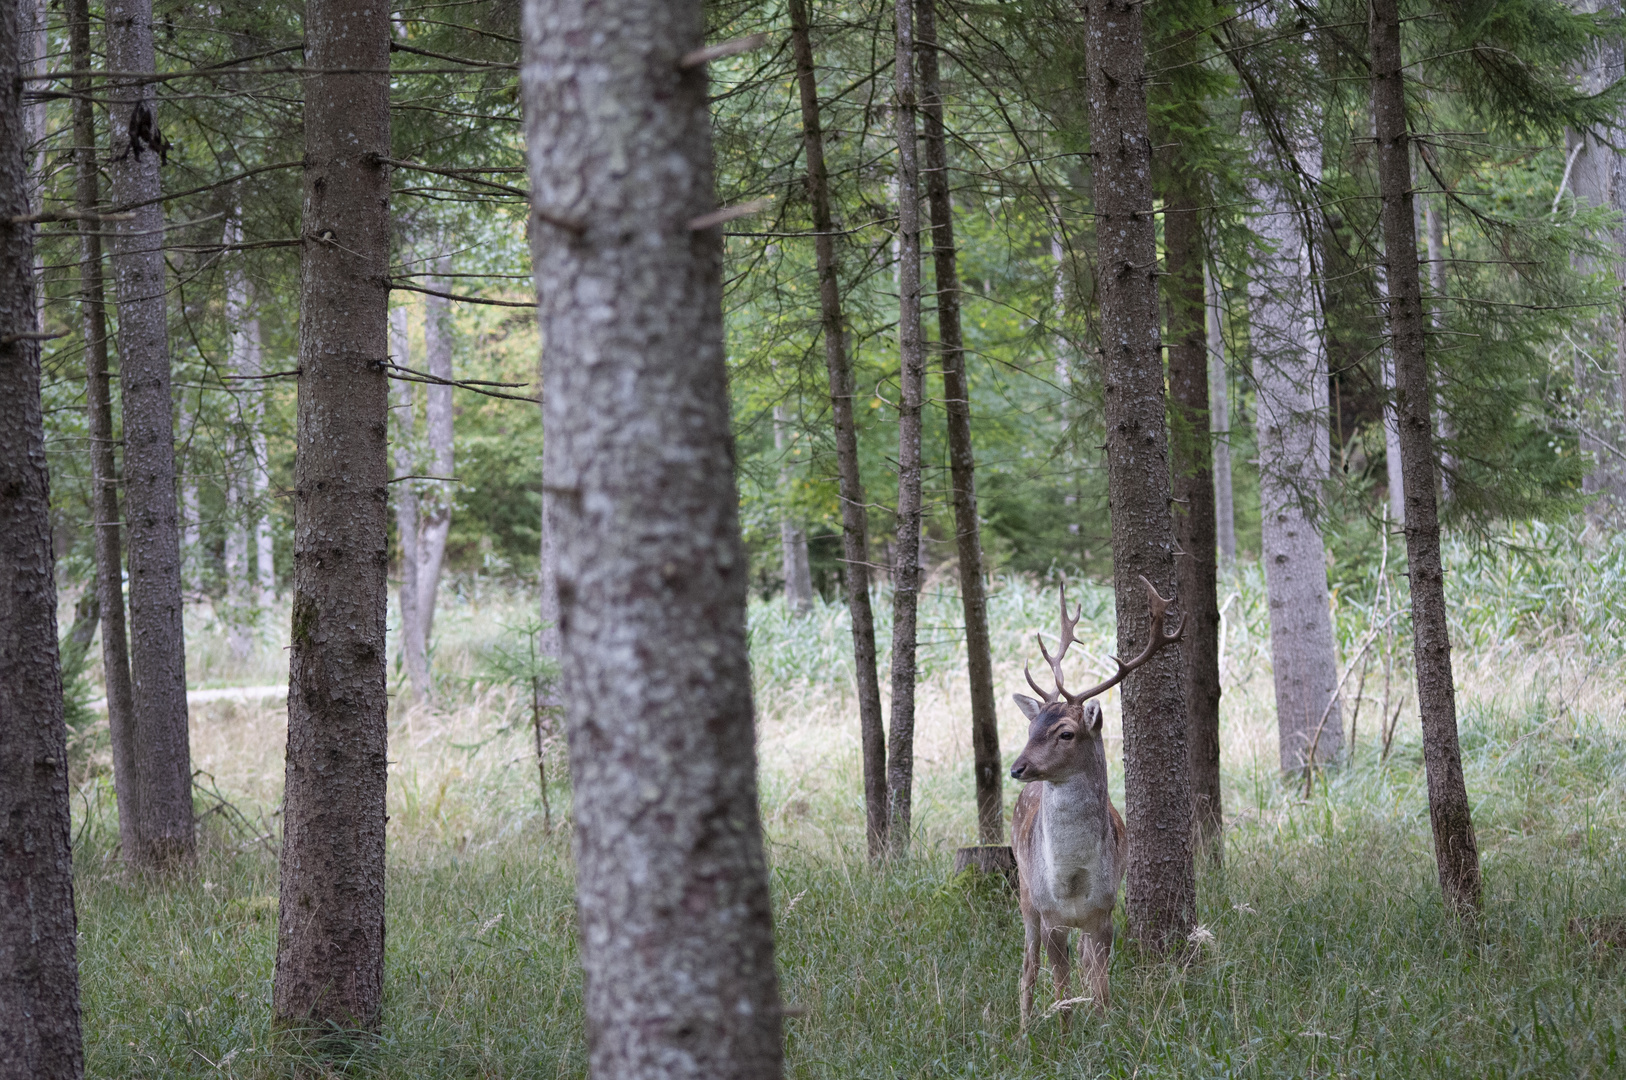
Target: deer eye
[{"x": 1065, "y": 735}]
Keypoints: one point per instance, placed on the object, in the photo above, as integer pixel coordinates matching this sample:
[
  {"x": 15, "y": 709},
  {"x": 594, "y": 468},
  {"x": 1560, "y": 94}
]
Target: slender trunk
[
  {"x": 1455, "y": 849},
  {"x": 1161, "y": 890},
  {"x": 415, "y": 659},
  {"x": 549, "y": 701},
  {"x": 962, "y": 462},
  {"x": 1220, "y": 425},
  {"x": 900, "y": 750},
  {"x": 162, "y": 754},
  {"x": 330, "y": 932},
  {"x": 792, "y": 537},
  {"x": 39, "y": 980},
  {"x": 854, "y": 518},
  {"x": 104, "y": 492},
  {"x": 1435, "y": 227},
  {"x": 435, "y": 498},
  {"x": 240, "y": 360},
  {"x": 1290, "y": 418},
  {"x": 671, "y": 878},
  {"x": 1193, "y": 493}
]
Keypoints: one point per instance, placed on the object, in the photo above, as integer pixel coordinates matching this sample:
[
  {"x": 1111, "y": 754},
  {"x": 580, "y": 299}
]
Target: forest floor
[{"x": 1326, "y": 952}]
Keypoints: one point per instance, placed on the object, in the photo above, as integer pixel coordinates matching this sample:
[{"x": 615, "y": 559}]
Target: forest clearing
[{"x": 734, "y": 539}]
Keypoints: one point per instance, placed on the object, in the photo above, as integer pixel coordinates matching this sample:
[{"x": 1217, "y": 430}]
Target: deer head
[{"x": 1064, "y": 729}]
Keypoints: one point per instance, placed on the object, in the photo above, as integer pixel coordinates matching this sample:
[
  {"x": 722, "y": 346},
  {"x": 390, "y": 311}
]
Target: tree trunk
[
  {"x": 549, "y": 701},
  {"x": 854, "y": 517},
  {"x": 1161, "y": 891},
  {"x": 39, "y": 980},
  {"x": 792, "y": 537},
  {"x": 990, "y": 775},
  {"x": 1220, "y": 425},
  {"x": 242, "y": 358},
  {"x": 1599, "y": 178},
  {"x": 435, "y": 498},
  {"x": 900, "y": 750},
  {"x": 1455, "y": 849},
  {"x": 330, "y": 931},
  {"x": 671, "y": 879},
  {"x": 1193, "y": 493},
  {"x": 415, "y": 659},
  {"x": 1290, "y": 417},
  {"x": 161, "y": 752},
  {"x": 1435, "y": 229},
  {"x": 104, "y": 492}
]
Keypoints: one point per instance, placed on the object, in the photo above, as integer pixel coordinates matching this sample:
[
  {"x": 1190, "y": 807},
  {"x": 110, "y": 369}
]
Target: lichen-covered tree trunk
[
  {"x": 39, "y": 980},
  {"x": 1192, "y": 483},
  {"x": 405, "y": 492},
  {"x": 330, "y": 928},
  {"x": 435, "y": 496},
  {"x": 985, "y": 760},
  {"x": 671, "y": 878},
  {"x": 854, "y": 516},
  {"x": 1290, "y": 418},
  {"x": 104, "y": 492},
  {"x": 1455, "y": 850},
  {"x": 1161, "y": 890},
  {"x": 1220, "y": 424},
  {"x": 161, "y": 751},
  {"x": 900, "y": 743}
]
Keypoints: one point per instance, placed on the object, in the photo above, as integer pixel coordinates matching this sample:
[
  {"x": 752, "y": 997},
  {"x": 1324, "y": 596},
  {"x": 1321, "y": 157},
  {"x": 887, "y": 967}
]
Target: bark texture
[
  {"x": 549, "y": 699},
  {"x": 1220, "y": 424},
  {"x": 435, "y": 497},
  {"x": 1191, "y": 446},
  {"x": 330, "y": 931},
  {"x": 104, "y": 491},
  {"x": 1161, "y": 891},
  {"x": 900, "y": 743},
  {"x": 1290, "y": 417},
  {"x": 671, "y": 878},
  {"x": 985, "y": 758},
  {"x": 854, "y": 517},
  {"x": 1599, "y": 178},
  {"x": 161, "y": 753},
  {"x": 1455, "y": 849},
  {"x": 247, "y": 452},
  {"x": 39, "y": 982}
]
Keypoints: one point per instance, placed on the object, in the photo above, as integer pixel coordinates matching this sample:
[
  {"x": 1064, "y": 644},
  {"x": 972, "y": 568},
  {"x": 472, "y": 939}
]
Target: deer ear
[
  {"x": 1029, "y": 706},
  {"x": 1092, "y": 715}
]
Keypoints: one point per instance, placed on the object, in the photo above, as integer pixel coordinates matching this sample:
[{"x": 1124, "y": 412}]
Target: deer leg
[
  {"x": 1030, "y": 961},
  {"x": 1094, "y": 954},
  {"x": 1061, "y": 968}
]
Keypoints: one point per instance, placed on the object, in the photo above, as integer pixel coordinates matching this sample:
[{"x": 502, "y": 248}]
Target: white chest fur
[{"x": 1075, "y": 877}]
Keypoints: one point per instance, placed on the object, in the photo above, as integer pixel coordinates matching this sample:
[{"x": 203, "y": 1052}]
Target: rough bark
[
  {"x": 900, "y": 747},
  {"x": 415, "y": 659},
  {"x": 985, "y": 757},
  {"x": 1599, "y": 179},
  {"x": 39, "y": 982},
  {"x": 1161, "y": 891},
  {"x": 1220, "y": 424},
  {"x": 671, "y": 878},
  {"x": 330, "y": 931},
  {"x": 104, "y": 492},
  {"x": 1192, "y": 480},
  {"x": 435, "y": 496},
  {"x": 854, "y": 518},
  {"x": 1290, "y": 418},
  {"x": 549, "y": 699},
  {"x": 1455, "y": 849},
  {"x": 162, "y": 754},
  {"x": 792, "y": 537}
]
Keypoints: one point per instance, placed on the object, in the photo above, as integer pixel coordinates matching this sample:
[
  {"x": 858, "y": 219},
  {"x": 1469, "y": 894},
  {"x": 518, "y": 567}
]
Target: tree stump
[{"x": 987, "y": 859}]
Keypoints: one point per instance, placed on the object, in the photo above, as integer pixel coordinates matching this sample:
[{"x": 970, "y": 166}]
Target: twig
[
  {"x": 267, "y": 375},
  {"x": 67, "y": 215},
  {"x": 722, "y": 49},
  {"x": 409, "y": 375},
  {"x": 395, "y": 284},
  {"x": 32, "y": 335},
  {"x": 421, "y": 476},
  {"x": 728, "y": 213}
]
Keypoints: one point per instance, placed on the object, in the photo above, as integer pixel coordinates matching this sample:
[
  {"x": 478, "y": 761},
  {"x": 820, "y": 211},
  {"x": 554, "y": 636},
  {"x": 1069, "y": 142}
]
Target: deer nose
[{"x": 1018, "y": 768}]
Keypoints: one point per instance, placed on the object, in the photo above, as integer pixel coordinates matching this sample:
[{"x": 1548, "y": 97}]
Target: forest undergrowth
[{"x": 1323, "y": 949}]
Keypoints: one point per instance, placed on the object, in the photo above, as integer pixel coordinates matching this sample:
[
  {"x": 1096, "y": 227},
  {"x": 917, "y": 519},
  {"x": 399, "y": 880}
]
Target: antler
[
  {"x": 1157, "y": 638},
  {"x": 1067, "y": 639}
]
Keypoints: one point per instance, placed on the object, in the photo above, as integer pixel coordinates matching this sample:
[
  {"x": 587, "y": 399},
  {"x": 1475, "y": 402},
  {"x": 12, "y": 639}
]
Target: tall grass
[{"x": 1330, "y": 954}]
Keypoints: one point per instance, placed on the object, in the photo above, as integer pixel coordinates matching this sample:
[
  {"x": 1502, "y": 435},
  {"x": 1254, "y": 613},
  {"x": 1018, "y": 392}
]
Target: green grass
[{"x": 1330, "y": 956}]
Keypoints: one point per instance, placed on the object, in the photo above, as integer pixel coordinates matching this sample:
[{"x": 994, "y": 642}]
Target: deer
[{"x": 1070, "y": 843}]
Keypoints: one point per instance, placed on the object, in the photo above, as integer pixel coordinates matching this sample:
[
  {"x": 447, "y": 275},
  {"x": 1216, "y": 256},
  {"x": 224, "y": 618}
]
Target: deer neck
[{"x": 1074, "y": 812}]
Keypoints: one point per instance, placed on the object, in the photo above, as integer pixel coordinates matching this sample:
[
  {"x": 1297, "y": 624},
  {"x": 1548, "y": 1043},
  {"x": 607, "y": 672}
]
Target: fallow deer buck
[{"x": 1070, "y": 844}]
